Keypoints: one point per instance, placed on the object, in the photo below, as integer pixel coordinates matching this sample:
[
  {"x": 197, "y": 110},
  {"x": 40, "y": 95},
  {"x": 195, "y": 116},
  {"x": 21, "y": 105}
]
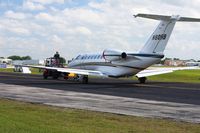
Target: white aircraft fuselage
[{"x": 118, "y": 68}]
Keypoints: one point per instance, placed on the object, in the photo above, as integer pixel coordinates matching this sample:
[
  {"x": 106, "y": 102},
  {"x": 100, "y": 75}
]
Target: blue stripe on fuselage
[{"x": 148, "y": 55}]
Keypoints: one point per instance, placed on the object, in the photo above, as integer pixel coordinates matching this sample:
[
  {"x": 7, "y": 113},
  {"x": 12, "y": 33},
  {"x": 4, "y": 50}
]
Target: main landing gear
[
  {"x": 142, "y": 80},
  {"x": 80, "y": 78},
  {"x": 84, "y": 79}
]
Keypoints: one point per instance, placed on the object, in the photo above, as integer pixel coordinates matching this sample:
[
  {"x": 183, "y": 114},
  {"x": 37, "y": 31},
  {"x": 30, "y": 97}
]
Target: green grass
[
  {"x": 188, "y": 76},
  {"x": 6, "y": 69},
  {"x": 20, "y": 117},
  {"x": 33, "y": 70}
]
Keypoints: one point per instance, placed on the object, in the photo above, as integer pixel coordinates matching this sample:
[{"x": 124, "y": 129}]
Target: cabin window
[{"x": 99, "y": 57}]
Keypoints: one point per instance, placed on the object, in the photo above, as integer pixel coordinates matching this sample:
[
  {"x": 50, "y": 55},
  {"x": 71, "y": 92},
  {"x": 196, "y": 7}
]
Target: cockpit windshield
[{"x": 77, "y": 57}]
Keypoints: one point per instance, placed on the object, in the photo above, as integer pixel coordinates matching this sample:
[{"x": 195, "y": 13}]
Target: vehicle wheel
[
  {"x": 45, "y": 76},
  {"x": 142, "y": 80},
  {"x": 66, "y": 77},
  {"x": 55, "y": 75}
]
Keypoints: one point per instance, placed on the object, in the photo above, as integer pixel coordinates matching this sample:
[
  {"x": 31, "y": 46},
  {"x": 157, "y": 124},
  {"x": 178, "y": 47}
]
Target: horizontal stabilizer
[
  {"x": 158, "y": 71},
  {"x": 168, "y": 18},
  {"x": 185, "y": 19}
]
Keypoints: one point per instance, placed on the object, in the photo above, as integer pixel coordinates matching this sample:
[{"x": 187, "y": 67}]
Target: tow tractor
[
  {"x": 52, "y": 62},
  {"x": 55, "y": 62}
]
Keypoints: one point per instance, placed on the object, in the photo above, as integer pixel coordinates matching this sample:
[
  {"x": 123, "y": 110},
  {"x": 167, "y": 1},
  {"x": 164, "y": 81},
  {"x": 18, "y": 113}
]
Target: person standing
[
  {"x": 56, "y": 55},
  {"x": 57, "y": 58}
]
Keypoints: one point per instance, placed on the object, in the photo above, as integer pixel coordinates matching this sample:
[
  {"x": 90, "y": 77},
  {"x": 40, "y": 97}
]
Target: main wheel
[
  {"x": 85, "y": 79},
  {"x": 142, "y": 80}
]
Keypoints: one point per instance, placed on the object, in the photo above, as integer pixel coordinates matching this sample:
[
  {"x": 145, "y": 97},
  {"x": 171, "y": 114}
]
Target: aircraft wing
[
  {"x": 71, "y": 70},
  {"x": 158, "y": 71}
]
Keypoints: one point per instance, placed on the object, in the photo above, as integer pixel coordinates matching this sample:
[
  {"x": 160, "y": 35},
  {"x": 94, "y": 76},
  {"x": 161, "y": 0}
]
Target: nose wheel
[{"x": 142, "y": 80}]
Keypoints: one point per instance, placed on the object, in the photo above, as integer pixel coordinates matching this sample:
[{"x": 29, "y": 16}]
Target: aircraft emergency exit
[{"x": 116, "y": 63}]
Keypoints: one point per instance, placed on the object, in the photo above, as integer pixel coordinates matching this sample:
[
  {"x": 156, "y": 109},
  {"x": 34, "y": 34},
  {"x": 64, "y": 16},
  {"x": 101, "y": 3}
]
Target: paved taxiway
[{"x": 179, "y": 101}]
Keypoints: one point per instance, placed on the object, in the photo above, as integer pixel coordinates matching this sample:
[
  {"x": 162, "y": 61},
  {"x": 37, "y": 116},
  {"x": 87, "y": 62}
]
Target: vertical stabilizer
[{"x": 158, "y": 40}]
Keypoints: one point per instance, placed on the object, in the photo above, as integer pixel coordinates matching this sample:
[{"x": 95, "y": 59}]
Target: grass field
[
  {"x": 6, "y": 69},
  {"x": 20, "y": 117},
  {"x": 33, "y": 70},
  {"x": 189, "y": 76}
]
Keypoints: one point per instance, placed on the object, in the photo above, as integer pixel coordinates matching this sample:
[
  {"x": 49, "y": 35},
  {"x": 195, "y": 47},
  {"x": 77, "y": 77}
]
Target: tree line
[{"x": 16, "y": 57}]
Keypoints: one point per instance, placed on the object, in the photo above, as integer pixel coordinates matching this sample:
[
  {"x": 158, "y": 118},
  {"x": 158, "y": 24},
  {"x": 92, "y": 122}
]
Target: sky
[{"x": 39, "y": 28}]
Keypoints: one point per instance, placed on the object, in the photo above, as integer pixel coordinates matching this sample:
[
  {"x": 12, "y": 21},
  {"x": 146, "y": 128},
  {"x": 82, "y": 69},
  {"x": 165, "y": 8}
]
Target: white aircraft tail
[{"x": 158, "y": 40}]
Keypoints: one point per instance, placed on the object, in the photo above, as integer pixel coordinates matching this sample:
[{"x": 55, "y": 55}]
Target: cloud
[
  {"x": 51, "y": 25},
  {"x": 33, "y": 6},
  {"x": 44, "y": 16},
  {"x": 15, "y": 23},
  {"x": 20, "y": 31},
  {"x": 84, "y": 30},
  {"x": 56, "y": 40},
  {"x": 48, "y": 1},
  {"x": 83, "y": 15},
  {"x": 14, "y": 15}
]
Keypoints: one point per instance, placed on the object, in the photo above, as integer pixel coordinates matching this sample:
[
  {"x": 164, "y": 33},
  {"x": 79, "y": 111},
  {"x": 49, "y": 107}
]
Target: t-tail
[{"x": 158, "y": 40}]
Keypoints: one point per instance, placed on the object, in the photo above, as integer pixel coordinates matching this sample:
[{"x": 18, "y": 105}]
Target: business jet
[{"x": 116, "y": 63}]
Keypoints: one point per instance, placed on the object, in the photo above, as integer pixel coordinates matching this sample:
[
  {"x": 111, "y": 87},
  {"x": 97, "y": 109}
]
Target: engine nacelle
[{"x": 114, "y": 55}]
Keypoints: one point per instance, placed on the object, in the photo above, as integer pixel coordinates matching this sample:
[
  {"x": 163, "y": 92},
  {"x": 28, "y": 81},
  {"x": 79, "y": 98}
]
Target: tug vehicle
[{"x": 52, "y": 62}]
